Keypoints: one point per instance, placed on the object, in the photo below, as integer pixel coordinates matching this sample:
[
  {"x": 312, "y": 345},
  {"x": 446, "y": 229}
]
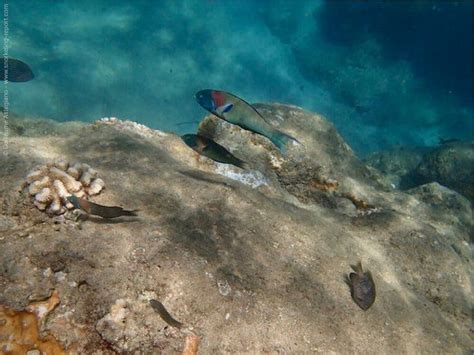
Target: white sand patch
[{"x": 251, "y": 178}]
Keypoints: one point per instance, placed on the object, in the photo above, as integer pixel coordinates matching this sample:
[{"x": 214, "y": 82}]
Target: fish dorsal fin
[{"x": 357, "y": 268}]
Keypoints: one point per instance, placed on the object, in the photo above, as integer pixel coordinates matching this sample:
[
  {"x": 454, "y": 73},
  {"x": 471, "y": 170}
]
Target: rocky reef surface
[
  {"x": 249, "y": 261},
  {"x": 450, "y": 164}
]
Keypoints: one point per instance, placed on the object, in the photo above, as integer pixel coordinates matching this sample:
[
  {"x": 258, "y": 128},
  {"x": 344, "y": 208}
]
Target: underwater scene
[{"x": 236, "y": 177}]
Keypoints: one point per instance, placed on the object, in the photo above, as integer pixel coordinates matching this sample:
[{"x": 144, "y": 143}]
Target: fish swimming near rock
[
  {"x": 99, "y": 210},
  {"x": 212, "y": 150},
  {"x": 161, "y": 310},
  {"x": 18, "y": 71},
  {"x": 362, "y": 287},
  {"x": 237, "y": 111}
]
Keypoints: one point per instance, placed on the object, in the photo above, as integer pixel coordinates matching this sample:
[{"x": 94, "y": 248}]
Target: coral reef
[
  {"x": 246, "y": 268},
  {"x": 19, "y": 330},
  {"x": 51, "y": 184}
]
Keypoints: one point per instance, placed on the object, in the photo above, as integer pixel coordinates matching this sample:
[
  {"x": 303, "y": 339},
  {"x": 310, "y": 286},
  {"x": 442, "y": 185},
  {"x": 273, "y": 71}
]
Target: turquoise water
[{"x": 386, "y": 74}]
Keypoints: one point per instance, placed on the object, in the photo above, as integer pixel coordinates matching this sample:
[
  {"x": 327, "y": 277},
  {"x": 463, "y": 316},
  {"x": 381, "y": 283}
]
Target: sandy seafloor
[{"x": 249, "y": 262}]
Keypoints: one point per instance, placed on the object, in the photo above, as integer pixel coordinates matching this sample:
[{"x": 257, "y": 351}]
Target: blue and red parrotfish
[
  {"x": 239, "y": 112},
  {"x": 212, "y": 150},
  {"x": 99, "y": 210}
]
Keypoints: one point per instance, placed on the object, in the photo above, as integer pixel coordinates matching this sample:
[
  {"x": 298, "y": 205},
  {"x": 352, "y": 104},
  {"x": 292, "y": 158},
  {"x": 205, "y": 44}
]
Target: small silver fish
[{"x": 362, "y": 287}]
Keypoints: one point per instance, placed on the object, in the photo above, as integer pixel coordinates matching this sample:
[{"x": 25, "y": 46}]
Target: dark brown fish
[
  {"x": 212, "y": 150},
  {"x": 17, "y": 71},
  {"x": 362, "y": 287},
  {"x": 445, "y": 141},
  {"x": 161, "y": 310},
  {"x": 99, "y": 210}
]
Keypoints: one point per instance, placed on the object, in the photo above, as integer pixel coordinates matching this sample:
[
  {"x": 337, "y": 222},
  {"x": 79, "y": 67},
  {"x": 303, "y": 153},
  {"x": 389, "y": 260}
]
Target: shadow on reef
[
  {"x": 118, "y": 220},
  {"x": 211, "y": 231}
]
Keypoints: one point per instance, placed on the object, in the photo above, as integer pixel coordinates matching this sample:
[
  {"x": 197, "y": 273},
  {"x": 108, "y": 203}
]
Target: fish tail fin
[
  {"x": 347, "y": 280},
  {"x": 243, "y": 165},
  {"x": 283, "y": 141},
  {"x": 358, "y": 267},
  {"x": 129, "y": 212}
]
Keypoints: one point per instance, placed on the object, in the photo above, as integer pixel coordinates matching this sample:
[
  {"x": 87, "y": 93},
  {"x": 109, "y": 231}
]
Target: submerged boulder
[
  {"x": 398, "y": 165},
  {"x": 450, "y": 164}
]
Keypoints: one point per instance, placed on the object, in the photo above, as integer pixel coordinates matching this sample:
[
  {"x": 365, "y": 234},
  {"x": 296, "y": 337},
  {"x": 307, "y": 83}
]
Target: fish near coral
[
  {"x": 18, "y": 71},
  {"x": 212, "y": 150},
  {"x": 99, "y": 210},
  {"x": 362, "y": 287},
  {"x": 234, "y": 110}
]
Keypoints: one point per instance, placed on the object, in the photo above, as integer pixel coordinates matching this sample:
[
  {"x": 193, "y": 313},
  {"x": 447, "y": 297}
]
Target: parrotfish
[
  {"x": 18, "y": 71},
  {"x": 362, "y": 287},
  {"x": 212, "y": 150},
  {"x": 236, "y": 111},
  {"x": 99, "y": 210}
]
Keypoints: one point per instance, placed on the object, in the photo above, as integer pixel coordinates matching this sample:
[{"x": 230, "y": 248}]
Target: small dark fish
[
  {"x": 161, "y": 310},
  {"x": 99, "y": 210},
  {"x": 206, "y": 177},
  {"x": 212, "y": 150},
  {"x": 445, "y": 141},
  {"x": 239, "y": 112},
  {"x": 18, "y": 71},
  {"x": 361, "y": 110},
  {"x": 362, "y": 287}
]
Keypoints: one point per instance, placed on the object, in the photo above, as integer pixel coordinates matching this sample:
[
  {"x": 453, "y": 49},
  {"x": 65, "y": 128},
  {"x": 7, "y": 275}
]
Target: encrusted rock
[
  {"x": 127, "y": 125},
  {"x": 451, "y": 165}
]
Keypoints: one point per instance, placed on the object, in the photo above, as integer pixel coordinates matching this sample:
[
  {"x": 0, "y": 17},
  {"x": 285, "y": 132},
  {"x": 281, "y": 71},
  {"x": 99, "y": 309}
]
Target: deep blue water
[{"x": 385, "y": 73}]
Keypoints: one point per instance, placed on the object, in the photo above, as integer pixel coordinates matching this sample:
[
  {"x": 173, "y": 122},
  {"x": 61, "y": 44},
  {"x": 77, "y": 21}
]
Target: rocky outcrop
[
  {"x": 451, "y": 164},
  {"x": 245, "y": 266}
]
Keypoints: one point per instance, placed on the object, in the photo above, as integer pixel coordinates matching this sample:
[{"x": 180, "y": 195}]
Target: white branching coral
[{"x": 51, "y": 184}]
